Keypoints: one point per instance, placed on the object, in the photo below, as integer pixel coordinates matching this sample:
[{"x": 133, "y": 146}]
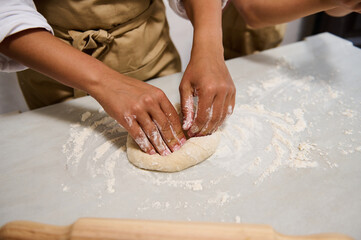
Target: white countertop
[{"x": 290, "y": 156}]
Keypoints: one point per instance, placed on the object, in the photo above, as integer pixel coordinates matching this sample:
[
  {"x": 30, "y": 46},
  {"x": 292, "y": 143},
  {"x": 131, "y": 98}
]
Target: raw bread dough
[{"x": 194, "y": 151}]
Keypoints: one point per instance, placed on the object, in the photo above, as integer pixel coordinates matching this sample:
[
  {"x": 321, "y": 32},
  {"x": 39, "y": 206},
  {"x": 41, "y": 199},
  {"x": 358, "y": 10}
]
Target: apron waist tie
[
  {"x": 92, "y": 42},
  {"x": 97, "y": 42}
]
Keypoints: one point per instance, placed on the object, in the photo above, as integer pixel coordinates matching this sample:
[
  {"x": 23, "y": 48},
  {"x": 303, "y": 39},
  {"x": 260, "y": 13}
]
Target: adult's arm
[
  {"x": 263, "y": 13},
  {"x": 17, "y": 16},
  {"x": 206, "y": 75},
  {"x": 178, "y": 7},
  {"x": 142, "y": 109},
  {"x": 343, "y": 11}
]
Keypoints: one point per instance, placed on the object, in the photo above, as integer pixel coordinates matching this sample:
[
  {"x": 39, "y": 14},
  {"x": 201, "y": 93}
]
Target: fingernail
[
  {"x": 183, "y": 141},
  {"x": 187, "y": 124},
  {"x": 176, "y": 148},
  {"x": 152, "y": 152},
  {"x": 193, "y": 130},
  {"x": 166, "y": 152}
]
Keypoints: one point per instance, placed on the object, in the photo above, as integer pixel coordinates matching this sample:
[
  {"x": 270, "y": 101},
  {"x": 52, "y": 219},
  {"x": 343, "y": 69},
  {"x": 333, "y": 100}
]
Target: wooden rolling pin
[{"x": 115, "y": 229}]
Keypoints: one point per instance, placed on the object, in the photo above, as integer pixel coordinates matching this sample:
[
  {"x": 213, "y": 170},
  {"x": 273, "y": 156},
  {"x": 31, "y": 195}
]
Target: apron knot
[{"x": 93, "y": 42}]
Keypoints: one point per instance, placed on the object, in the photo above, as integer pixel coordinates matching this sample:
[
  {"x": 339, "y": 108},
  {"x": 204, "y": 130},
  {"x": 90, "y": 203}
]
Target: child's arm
[{"x": 263, "y": 13}]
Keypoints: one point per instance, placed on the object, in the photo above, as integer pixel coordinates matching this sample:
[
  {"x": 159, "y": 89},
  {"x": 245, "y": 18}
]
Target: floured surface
[{"x": 288, "y": 156}]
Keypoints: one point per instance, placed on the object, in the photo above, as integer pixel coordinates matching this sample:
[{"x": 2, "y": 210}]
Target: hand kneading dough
[{"x": 194, "y": 151}]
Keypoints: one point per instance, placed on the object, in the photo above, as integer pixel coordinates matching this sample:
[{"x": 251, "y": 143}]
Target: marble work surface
[{"x": 290, "y": 155}]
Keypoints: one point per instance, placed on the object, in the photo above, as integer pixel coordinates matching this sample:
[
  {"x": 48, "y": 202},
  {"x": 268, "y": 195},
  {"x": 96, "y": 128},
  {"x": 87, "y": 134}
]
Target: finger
[
  {"x": 203, "y": 114},
  {"x": 138, "y": 135},
  {"x": 166, "y": 130},
  {"x": 170, "y": 126},
  {"x": 187, "y": 105},
  {"x": 228, "y": 109},
  {"x": 153, "y": 134},
  {"x": 215, "y": 115}
]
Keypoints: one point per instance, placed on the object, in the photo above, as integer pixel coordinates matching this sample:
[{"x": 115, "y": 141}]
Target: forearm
[
  {"x": 263, "y": 13},
  {"x": 206, "y": 17},
  {"x": 134, "y": 104},
  {"x": 338, "y": 12},
  {"x": 41, "y": 51},
  {"x": 206, "y": 76}
]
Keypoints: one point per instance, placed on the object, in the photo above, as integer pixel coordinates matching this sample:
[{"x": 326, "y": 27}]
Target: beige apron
[
  {"x": 240, "y": 39},
  {"x": 130, "y": 36}
]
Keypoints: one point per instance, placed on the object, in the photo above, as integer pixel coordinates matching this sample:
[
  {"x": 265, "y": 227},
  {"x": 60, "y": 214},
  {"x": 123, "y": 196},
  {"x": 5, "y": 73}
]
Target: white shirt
[
  {"x": 16, "y": 16},
  {"x": 19, "y": 15},
  {"x": 178, "y": 7}
]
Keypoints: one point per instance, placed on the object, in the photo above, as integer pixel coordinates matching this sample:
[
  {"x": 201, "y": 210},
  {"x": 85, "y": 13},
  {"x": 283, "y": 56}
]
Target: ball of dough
[{"x": 194, "y": 151}]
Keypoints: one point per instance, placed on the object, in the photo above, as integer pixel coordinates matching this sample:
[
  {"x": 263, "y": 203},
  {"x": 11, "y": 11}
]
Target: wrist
[
  {"x": 207, "y": 47},
  {"x": 206, "y": 18},
  {"x": 103, "y": 80}
]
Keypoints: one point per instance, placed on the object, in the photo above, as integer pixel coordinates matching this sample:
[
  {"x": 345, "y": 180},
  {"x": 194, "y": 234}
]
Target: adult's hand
[
  {"x": 206, "y": 77},
  {"x": 142, "y": 109},
  {"x": 260, "y": 13}
]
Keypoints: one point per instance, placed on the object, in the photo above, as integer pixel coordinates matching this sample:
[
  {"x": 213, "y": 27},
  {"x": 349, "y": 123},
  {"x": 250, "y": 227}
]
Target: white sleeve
[
  {"x": 178, "y": 7},
  {"x": 16, "y": 16}
]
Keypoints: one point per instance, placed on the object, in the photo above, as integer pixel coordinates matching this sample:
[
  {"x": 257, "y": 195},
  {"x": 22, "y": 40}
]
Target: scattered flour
[
  {"x": 349, "y": 113},
  {"x": 102, "y": 149},
  {"x": 332, "y": 165},
  {"x": 92, "y": 145},
  {"x": 257, "y": 142},
  {"x": 85, "y": 116},
  {"x": 194, "y": 185},
  {"x": 348, "y": 132},
  {"x": 358, "y": 149},
  {"x": 272, "y": 134},
  {"x": 301, "y": 123},
  {"x": 333, "y": 93},
  {"x": 73, "y": 148},
  {"x": 65, "y": 188},
  {"x": 273, "y": 82},
  {"x": 220, "y": 199}
]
